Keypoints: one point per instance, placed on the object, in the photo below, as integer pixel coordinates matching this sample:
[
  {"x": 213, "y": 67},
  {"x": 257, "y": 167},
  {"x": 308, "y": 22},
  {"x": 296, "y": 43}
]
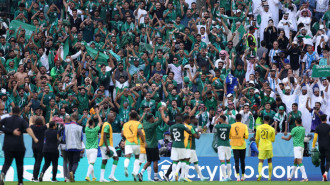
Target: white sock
[
  {"x": 223, "y": 170},
  {"x": 102, "y": 174},
  {"x": 92, "y": 173},
  {"x": 326, "y": 173},
  {"x": 136, "y": 166},
  {"x": 155, "y": 175},
  {"x": 198, "y": 170},
  {"x": 174, "y": 167},
  {"x": 187, "y": 170},
  {"x": 149, "y": 172},
  {"x": 183, "y": 169},
  {"x": 113, "y": 169},
  {"x": 89, "y": 170},
  {"x": 302, "y": 169},
  {"x": 228, "y": 170},
  {"x": 126, "y": 162},
  {"x": 293, "y": 172},
  {"x": 142, "y": 171},
  {"x": 178, "y": 166}
]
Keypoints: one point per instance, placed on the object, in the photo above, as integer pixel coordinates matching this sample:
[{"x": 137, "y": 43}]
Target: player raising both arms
[
  {"x": 298, "y": 135},
  {"x": 264, "y": 138},
  {"x": 92, "y": 140},
  {"x": 107, "y": 149},
  {"x": 222, "y": 130},
  {"x": 150, "y": 126},
  {"x": 132, "y": 131}
]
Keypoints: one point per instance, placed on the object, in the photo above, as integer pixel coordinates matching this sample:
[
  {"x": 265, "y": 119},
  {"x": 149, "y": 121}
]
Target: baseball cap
[
  {"x": 287, "y": 88},
  {"x": 294, "y": 42},
  {"x": 229, "y": 95},
  {"x": 186, "y": 79},
  {"x": 251, "y": 82},
  {"x": 281, "y": 108},
  {"x": 256, "y": 91}
]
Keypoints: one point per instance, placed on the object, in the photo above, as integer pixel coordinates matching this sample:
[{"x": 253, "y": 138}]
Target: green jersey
[
  {"x": 222, "y": 133},
  {"x": 150, "y": 133},
  {"x": 177, "y": 133},
  {"x": 294, "y": 116},
  {"x": 92, "y": 139},
  {"x": 298, "y": 135}
]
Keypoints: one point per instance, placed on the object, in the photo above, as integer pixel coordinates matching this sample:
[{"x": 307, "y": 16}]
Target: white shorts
[
  {"x": 91, "y": 155},
  {"x": 143, "y": 158},
  {"x": 132, "y": 149},
  {"x": 298, "y": 152},
  {"x": 193, "y": 156},
  {"x": 104, "y": 150},
  {"x": 224, "y": 153},
  {"x": 179, "y": 154}
]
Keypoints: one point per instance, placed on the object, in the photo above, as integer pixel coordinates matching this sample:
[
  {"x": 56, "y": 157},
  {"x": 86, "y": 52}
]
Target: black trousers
[
  {"x": 51, "y": 157},
  {"x": 19, "y": 157},
  {"x": 38, "y": 159},
  {"x": 239, "y": 156},
  {"x": 74, "y": 158},
  {"x": 325, "y": 159}
]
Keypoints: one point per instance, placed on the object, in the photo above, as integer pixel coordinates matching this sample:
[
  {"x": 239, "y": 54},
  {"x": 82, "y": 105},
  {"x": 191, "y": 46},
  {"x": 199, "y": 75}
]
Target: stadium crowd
[{"x": 203, "y": 59}]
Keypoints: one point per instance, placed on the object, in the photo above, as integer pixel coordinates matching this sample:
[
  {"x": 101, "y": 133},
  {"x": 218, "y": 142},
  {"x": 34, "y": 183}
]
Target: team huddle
[{"x": 141, "y": 141}]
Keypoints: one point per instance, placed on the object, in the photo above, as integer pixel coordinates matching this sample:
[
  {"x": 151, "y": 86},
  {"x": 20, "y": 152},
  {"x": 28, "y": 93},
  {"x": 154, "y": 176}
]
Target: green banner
[
  {"x": 28, "y": 27},
  {"x": 321, "y": 71}
]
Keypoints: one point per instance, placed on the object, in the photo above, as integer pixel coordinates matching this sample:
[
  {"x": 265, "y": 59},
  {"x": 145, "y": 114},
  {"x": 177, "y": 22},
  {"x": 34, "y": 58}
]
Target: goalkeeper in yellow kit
[{"x": 264, "y": 138}]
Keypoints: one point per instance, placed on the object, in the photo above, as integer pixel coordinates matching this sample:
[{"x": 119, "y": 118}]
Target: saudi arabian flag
[
  {"x": 28, "y": 27},
  {"x": 321, "y": 71},
  {"x": 102, "y": 59}
]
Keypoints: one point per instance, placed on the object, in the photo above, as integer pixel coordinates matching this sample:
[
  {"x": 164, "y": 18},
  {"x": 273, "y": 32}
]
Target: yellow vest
[
  {"x": 254, "y": 40},
  {"x": 187, "y": 136},
  {"x": 130, "y": 130},
  {"x": 238, "y": 134},
  {"x": 110, "y": 134},
  {"x": 142, "y": 148}
]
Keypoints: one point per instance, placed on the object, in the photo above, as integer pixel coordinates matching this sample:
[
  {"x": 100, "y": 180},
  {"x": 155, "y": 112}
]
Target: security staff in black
[
  {"x": 322, "y": 132},
  {"x": 50, "y": 151},
  {"x": 13, "y": 145}
]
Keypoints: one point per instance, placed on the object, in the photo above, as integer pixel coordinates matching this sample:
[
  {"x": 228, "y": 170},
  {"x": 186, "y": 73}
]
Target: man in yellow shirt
[
  {"x": 132, "y": 131},
  {"x": 264, "y": 138},
  {"x": 238, "y": 134}
]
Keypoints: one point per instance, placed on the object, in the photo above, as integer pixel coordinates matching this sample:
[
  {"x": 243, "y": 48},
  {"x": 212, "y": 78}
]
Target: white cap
[
  {"x": 287, "y": 88},
  {"x": 256, "y": 91},
  {"x": 251, "y": 82}
]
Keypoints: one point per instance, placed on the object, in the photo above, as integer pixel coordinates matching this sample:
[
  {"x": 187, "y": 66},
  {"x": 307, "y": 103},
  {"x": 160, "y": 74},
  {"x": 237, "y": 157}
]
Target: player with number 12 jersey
[
  {"x": 179, "y": 152},
  {"x": 222, "y": 130}
]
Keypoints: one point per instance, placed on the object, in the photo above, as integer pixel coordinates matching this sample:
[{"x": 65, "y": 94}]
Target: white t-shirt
[{"x": 177, "y": 72}]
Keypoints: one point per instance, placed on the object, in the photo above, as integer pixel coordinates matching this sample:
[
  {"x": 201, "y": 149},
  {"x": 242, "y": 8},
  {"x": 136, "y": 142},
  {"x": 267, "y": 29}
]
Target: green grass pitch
[{"x": 174, "y": 183}]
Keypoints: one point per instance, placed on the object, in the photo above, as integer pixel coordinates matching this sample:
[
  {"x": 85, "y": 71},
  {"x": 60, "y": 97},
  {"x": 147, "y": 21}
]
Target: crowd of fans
[{"x": 201, "y": 58}]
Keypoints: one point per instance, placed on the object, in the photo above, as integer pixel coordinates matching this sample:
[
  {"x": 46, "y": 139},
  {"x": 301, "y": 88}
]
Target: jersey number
[
  {"x": 223, "y": 136},
  {"x": 176, "y": 136},
  {"x": 264, "y": 134}
]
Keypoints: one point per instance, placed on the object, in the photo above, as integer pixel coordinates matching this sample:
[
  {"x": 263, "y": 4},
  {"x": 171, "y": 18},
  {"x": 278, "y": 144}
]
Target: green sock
[
  {"x": 115, "y": 162},
  {"x": 102, "y": 166}
]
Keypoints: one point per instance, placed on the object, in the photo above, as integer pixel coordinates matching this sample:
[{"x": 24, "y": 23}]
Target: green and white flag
[
  {"x": 321, "y": 71},
  {"x": 28, "y": 27}
]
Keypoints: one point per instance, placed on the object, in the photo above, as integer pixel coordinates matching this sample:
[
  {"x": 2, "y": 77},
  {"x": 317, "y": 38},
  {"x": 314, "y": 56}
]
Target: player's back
[
  {"x": 298, "y": 135},
  {"x": 222, "y": 132},
  {"x": 130, "y": 130},
  {"x": 177, "y": 132},
  {"x": 265, "y": 136}
]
